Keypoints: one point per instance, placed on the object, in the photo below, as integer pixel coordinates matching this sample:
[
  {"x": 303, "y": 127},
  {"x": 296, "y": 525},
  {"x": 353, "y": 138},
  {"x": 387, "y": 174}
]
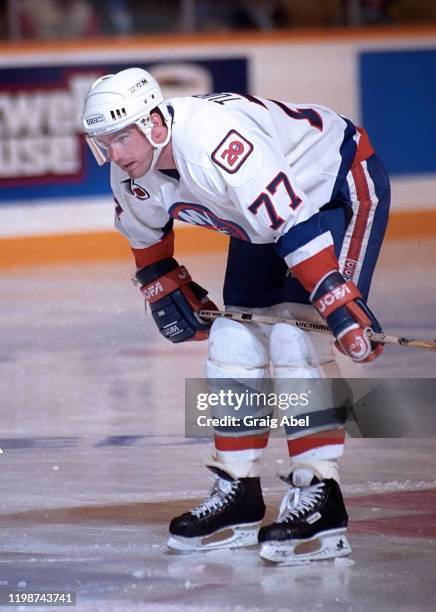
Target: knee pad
[
  {"x": 237, "y": 350},
  {"x": 301, "y": 354}
]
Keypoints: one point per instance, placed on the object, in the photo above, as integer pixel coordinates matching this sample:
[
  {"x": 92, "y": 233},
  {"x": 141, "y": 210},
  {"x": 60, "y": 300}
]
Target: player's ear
[
  {"x": 159, "y": 130},
  {"x": 156, "y": 120}
]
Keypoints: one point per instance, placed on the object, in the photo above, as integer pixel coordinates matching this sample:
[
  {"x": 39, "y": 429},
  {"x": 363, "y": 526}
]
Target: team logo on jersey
[
  {"x": 231, "y": 153},
  {"x": 133, "y": 188},
  {"x": 197, "y": 214}
]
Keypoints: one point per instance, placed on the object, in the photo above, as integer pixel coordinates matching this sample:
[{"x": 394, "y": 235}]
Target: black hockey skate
[
  {"x": 233, "y": 504},
  {"x": 311, "y": 525}
]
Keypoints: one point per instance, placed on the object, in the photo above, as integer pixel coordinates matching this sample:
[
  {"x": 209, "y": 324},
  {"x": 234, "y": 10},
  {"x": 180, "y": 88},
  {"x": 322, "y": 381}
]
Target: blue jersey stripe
[
  {"x": 347, "y": 152},
  {"x": 300, "y": 234}
]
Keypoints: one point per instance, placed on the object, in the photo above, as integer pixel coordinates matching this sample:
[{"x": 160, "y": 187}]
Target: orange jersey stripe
[
  {"x": 315, "y": 440},
  {"x": 312, "y": 269},
  {"x": 364, "y": 198},
  {"x": 244, "y": 443},
  {"x": 156, "y": 252},
  {"x": 364, "y": 148}
]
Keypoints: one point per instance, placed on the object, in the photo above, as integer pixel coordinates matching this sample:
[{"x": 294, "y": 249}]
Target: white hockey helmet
[{"x": 115, "y": 101}]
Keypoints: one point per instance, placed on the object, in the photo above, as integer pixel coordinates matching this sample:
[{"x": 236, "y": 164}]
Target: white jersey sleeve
[{"x": 141, "y": 218}]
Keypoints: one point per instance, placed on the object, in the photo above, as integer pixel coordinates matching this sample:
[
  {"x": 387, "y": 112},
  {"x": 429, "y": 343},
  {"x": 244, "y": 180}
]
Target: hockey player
[{"x": 305, "y": 200}]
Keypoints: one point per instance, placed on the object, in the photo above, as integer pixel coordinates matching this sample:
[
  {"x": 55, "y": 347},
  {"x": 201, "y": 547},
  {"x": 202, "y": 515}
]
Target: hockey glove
[
  {"x": 175, "y": 300},
  {"x": 340, "y": 303}
]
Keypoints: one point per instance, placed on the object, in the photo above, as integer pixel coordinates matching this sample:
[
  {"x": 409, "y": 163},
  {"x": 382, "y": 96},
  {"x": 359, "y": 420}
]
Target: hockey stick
[{"x": 243, "y": 317}]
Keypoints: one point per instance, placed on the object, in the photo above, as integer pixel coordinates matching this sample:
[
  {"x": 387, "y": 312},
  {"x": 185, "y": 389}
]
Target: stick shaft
[{"x": 245, "y": 317}]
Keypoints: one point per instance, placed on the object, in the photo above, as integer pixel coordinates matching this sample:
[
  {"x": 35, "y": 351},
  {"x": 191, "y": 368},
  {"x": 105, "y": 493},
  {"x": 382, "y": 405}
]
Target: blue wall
[{"x": 398, "y": 108}]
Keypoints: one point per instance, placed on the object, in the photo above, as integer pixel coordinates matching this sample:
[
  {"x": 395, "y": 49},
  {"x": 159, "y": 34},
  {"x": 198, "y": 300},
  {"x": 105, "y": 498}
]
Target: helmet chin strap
[{"x": 146, "y": 126}]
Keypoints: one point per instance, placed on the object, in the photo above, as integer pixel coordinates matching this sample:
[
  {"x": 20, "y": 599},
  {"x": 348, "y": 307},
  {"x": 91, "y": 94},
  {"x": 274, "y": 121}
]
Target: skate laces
[
  {"x": 218, "y": 495},
  {"x": 299, "y": 500}
]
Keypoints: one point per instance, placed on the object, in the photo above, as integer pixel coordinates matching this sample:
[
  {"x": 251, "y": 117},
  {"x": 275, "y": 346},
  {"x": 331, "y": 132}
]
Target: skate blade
[
  {"x": 326, "y": 545},
  {"x": 240, "y": 536}
]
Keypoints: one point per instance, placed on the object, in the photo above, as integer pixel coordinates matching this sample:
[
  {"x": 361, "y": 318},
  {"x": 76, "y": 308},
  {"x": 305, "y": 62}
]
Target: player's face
[{"x": 129, "y": 149}]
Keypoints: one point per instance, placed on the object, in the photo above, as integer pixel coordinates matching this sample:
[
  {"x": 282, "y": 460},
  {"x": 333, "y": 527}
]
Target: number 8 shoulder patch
[{"x": 232, "y": 152}]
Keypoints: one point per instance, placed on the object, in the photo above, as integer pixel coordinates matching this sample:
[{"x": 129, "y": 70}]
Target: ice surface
[{"x": 95, "y": 463}]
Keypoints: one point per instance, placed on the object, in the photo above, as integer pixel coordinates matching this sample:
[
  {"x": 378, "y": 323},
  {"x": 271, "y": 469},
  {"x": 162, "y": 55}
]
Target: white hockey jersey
[{"x": 256, "y": 169}]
